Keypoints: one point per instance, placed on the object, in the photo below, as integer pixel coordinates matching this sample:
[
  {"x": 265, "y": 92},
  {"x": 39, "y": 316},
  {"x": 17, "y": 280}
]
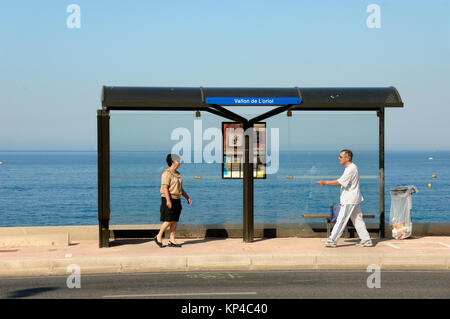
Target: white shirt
[{"x": 350, "y": 192}]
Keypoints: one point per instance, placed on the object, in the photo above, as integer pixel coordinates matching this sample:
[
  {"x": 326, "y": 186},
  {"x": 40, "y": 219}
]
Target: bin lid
[{"x": 404, "y": 189}]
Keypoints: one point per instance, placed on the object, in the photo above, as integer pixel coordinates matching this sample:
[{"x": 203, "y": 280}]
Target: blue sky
[{"x": 51, "y": 76}]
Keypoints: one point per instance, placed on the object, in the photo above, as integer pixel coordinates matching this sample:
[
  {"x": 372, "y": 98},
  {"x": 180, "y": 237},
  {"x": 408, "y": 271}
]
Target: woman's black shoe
[
  {"x": 160, "y": 244},
  {"x": 173, "y": 245}
]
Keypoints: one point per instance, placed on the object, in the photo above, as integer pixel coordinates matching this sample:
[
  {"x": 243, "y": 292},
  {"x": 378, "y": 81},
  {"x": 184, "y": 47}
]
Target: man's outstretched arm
[{"x": 332, "y": 183}]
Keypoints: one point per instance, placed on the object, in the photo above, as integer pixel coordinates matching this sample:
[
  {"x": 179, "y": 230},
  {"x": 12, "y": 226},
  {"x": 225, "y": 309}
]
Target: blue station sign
[{"x": 253, "y": 100}]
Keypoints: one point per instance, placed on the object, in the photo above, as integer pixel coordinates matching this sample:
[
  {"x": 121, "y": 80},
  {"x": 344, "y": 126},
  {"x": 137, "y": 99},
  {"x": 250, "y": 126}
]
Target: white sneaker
[
  {"x": 330, "y": 243},
  {"x": 365, "y": 243}
]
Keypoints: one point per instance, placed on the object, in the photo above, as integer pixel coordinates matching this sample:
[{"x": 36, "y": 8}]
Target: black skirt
[{"x": 170, "y": 215}]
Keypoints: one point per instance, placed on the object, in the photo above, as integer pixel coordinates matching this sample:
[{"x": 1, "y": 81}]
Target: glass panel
[
  {"x": 301, "y": 150},
  {"x": 139, "y": 146},
  {"x": 309, "y": 146}
]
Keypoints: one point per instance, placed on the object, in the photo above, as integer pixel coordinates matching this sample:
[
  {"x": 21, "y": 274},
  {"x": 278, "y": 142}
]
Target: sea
[{"x": 60, "y": 188}]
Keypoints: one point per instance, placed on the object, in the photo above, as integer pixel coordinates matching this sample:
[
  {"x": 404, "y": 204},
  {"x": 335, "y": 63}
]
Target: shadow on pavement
[
  {"x": 120, "y": 242},
  {"x": 202, "y": 240},
  {"x": 353, "y": 242}
]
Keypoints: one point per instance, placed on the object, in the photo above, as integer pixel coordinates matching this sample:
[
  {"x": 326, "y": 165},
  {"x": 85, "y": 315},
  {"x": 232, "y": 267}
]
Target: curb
[{"x": 97, "y": 265}]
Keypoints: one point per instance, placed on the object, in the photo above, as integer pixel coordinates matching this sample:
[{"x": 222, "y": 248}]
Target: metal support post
[
  {"x": 103, "y": 177},
  {"x": 380, "y": 114},
  {"x": 248, "y": 188}
]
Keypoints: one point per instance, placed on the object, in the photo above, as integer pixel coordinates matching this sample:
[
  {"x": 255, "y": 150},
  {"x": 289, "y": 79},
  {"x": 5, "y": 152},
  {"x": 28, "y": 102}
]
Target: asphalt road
[{"x": 235, "y": 285}]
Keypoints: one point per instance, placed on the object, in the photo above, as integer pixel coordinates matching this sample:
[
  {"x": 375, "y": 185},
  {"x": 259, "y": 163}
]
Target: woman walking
[{"x": 171, "y": 192}]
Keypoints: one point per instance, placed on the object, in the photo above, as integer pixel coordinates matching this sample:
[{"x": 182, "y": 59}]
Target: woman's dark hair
[{"x": 172, "y": 158}]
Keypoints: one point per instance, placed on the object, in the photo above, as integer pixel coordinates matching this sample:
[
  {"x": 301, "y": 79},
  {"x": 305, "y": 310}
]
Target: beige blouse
[{"x": 173, "y": 181}]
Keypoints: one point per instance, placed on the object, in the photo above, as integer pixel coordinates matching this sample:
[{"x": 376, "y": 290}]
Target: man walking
[{"x": 350, "y": 199}]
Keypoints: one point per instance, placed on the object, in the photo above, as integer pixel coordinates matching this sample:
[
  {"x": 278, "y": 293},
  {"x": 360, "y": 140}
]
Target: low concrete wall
[
  {"x": 74, "y": 232},
  {"x": 209, "y": 230},
  {"x": 35, "y": 240}
]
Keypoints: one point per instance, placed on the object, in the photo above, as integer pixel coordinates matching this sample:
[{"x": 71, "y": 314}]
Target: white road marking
[
  {"x": 443, "y": 244},
  {"x": 401, "y": 245},
  {"x": 182, "y": 294},
  {"x": 392, "y": 245}
]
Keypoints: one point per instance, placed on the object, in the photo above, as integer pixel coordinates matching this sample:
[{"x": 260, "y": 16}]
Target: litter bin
[{"x": 400, "y": 214}]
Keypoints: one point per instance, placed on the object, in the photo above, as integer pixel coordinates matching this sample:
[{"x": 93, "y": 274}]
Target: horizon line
[{"x": 165, "y": 150}]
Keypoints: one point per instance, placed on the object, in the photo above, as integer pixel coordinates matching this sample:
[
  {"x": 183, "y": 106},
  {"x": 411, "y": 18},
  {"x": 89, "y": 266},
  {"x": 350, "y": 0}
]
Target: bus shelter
[{"x": 213, "y": 100}]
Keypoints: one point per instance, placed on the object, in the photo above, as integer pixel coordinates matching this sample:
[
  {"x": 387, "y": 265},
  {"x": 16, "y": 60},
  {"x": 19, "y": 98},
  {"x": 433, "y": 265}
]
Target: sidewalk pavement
[{"x": 206, "y": 254}]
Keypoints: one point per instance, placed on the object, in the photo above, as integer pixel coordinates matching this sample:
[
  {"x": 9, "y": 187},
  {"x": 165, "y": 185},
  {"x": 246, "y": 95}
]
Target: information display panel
[{"x": 233, "y": 150}]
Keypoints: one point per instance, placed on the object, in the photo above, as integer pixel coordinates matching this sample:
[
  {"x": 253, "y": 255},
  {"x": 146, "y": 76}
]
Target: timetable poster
[{"x": 233, "y": 150}]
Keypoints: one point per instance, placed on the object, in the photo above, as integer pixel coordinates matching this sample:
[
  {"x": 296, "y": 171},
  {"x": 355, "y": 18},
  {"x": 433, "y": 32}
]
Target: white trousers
[{"x": 346, "y": 212}]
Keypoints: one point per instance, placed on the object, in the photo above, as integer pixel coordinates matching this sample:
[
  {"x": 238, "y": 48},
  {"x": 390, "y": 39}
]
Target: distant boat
[
  {"x": 430, "y": 158},
  {"x": 1, "y": 163}
]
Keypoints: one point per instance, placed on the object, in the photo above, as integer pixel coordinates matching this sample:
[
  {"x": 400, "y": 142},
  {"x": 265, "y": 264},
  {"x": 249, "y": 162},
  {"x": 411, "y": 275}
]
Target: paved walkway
[{"x": 430, "y": 253}]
